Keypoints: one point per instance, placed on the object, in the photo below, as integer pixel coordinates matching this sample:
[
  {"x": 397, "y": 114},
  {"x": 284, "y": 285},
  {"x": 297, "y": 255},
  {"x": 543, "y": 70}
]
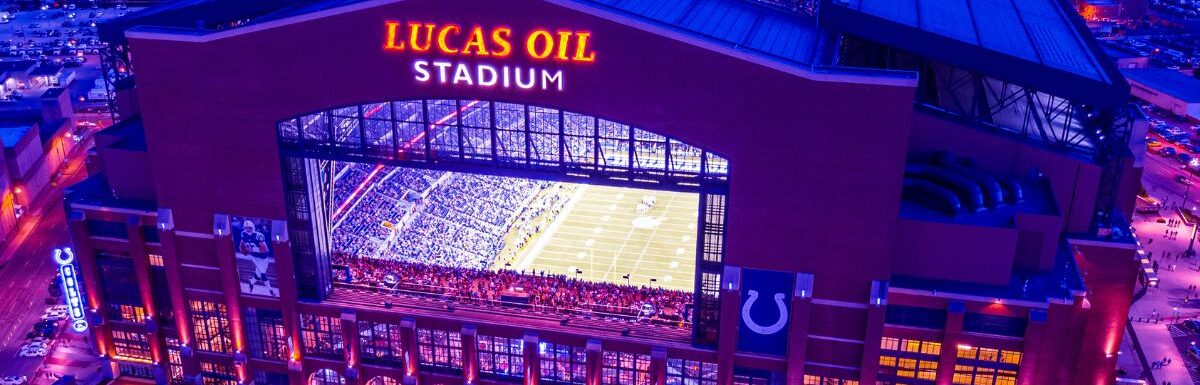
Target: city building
[
  {"x": 890, "y": 196},
  {"x": 1126, "y": 59},
  {"x": 1168, "y": 89},
  {"x": 1092, "y": 10}
]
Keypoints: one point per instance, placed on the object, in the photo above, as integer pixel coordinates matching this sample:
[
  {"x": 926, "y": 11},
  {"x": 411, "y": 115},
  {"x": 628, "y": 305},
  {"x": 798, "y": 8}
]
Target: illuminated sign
[
  {"x": 64, "y": 257},
  {"x": 478, "y": 54}
]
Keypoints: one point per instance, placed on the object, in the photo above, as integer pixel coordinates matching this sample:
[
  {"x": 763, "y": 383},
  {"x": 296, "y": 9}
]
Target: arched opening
[
  {"x": 507, "y": 199},
  {"x": 383, "y": 380},
  {"x": 326, "y": 377}
]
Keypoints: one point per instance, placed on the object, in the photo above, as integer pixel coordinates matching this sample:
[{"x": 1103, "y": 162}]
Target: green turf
[{"x": 596, "y": 233}]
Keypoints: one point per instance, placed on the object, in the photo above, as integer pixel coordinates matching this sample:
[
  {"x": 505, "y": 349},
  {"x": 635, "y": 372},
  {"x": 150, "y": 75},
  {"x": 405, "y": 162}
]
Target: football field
[{"x": 601, "y": 233}]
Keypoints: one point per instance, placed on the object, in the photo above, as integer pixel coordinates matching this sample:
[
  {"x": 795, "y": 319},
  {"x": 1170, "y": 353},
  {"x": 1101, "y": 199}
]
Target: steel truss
[
  {"x": 1099, "y": 135},
  {"x": 498, "y": 138},
  {"x": 115, "y": 67},
  {"x": 520, "y": 139}
]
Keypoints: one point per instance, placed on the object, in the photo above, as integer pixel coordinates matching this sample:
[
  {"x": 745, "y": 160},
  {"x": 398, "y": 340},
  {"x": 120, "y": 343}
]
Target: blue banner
[{"x": 766, "y": 309}]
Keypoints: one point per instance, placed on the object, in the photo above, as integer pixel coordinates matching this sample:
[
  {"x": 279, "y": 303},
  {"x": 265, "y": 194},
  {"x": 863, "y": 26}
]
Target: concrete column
[
  {"x": 223, "y": 245},
  {"x": 798, "y": 328},
  {"x": 876, "y": 313},
  {"x": 141, "y": 268},
  {"x": 533, "y": 361},
  {"x": 1031, "y": 352},
  {"x": 953, "y": 330},
  {"x": 658, "y": 366},
  {"x": 353, "y": 355},
  {"x": 731, "y": 294},
  {"x": 89, "y": 275},
  {"x": 412, "y": 360},
  {"x": 593, "y": 362},
  {"x": 287, "y": 290},
  {"x": 470, "y": 345},
  {"x": 166, "y": 237}
]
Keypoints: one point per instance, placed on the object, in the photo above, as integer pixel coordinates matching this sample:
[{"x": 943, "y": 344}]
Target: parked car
[
  {"x": 33, "y": 352},
  {"x": 1168, "y": 152},
  {"x": 14, "y": 380},
  {"x": 1184, "y": 158}
]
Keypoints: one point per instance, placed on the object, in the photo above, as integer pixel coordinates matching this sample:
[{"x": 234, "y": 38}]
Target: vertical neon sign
[{"x": 70, "y": 284}]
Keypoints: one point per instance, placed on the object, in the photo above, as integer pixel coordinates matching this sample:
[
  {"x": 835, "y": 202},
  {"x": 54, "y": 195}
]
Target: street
[{"x": 27, "y": 270}]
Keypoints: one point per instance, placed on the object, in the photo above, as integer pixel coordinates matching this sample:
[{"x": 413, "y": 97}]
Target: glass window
[
  {"x": 326, "y": 377},
  {"x": 268, "y": 338},
  {"x": 322, "y": 335},
  {"x": 217, "y": 374},
  {"x": 380, "y": 342},
  {"x": 618, "y": 368},
  {"x": 210, "y": 324},
  {"x": 563, "y": 363},
  {"x": 440, "y": 348},
  {"x": 131, "y": 346},
  {"x": 691, "y": 372},
  {"x": 501, "y": 356}
]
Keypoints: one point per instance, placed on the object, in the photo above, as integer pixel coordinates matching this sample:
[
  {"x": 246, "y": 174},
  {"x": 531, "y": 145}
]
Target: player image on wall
[{"x": 255, "y": 256}]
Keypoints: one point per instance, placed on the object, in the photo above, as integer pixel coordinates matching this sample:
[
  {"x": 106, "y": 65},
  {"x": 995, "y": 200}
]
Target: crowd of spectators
[
  {"x": 549, "y": 293},
  {"x": 414, "y": 215}
]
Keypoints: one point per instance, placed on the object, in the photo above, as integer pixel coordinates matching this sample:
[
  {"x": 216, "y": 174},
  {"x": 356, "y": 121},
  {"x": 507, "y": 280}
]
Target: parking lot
[{"x": 65, "y": 35}]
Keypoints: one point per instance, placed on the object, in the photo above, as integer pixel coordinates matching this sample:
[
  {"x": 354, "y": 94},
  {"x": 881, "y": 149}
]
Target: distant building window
[
  {"x": 913, "y": 360},
  {"x": 915, "y": 316},
  {"x": 217, "y": 374},
  {"x": 268, "y": 338},
  {"x": 986, "y": 365},
  {"x": 380, "y": 342},
  {"x": 691, "y": 372},
  {"x": 746, "y": 376},
  {"x": 156, "y": 260},
  {"x": 810, "y": 379},
  {"x": 270, "y": 378},
  {"x": 322, "y": 335},
  {"x": 501, "y": 356},
  {"x": 994, "y": 324},
  {"x": 135, "y": 370},
  {"x": 210, "y": 324},
  {"x": 440, "y": 348},
  {"x": 131, "y": 346},
  {"x": 174, "y": 361},
  {"x": 150, "y": 234},
  {"x": 564, "y": 364},
  {"x": 106, "y": 229},
  {"x": 618, "y": 368},
  {"x": 119, "y": 286}
]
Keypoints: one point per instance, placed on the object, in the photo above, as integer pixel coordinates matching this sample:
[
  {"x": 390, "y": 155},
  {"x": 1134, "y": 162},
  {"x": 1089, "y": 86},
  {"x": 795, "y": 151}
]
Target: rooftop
[
  {"x": 11, "y": 134},
  {"x": 47, "y": 70},
  {"x": 95, "y": 191},
  {"x": 1061, "y": 283},
  {"x": 1038, "y": 43},
  {"x": 1170, "y": 82},
  {"x": 1043, "y": 44},
  {"x": 19, "y": 65}
]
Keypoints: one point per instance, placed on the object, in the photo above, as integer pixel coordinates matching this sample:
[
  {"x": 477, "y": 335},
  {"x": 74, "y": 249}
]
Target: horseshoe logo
[{"x": 765, "y": 330}]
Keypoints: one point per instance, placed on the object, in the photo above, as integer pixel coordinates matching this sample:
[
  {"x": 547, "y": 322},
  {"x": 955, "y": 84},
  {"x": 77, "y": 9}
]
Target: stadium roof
[
  {"x": 1170, "y": 82},
  {"x": 1036, "y": 43},
  {"x": 1042, "y": 44}
]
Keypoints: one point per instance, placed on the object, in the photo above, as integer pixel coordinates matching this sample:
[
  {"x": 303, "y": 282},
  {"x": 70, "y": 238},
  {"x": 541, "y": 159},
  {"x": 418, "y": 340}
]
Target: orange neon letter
[
  {"x": 475, "y": 42},
  {"x": 581, "y": 48},
  {"x": 442, "y": 38},
  {"x": 532, "y": 41},
  {"x": 564, "y": 37},
  {"x": 391, "y": 36},
  {"x": 501, "y": 36},
  {"x": 414, "y": 34}
]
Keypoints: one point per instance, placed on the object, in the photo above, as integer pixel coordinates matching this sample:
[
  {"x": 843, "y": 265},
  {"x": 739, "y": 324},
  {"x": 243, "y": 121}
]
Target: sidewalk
[{"x": 1155, "y": 314}]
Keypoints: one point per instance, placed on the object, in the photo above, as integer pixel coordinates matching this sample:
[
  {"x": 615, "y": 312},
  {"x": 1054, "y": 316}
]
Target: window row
[{"x": 910, "y": 346}]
